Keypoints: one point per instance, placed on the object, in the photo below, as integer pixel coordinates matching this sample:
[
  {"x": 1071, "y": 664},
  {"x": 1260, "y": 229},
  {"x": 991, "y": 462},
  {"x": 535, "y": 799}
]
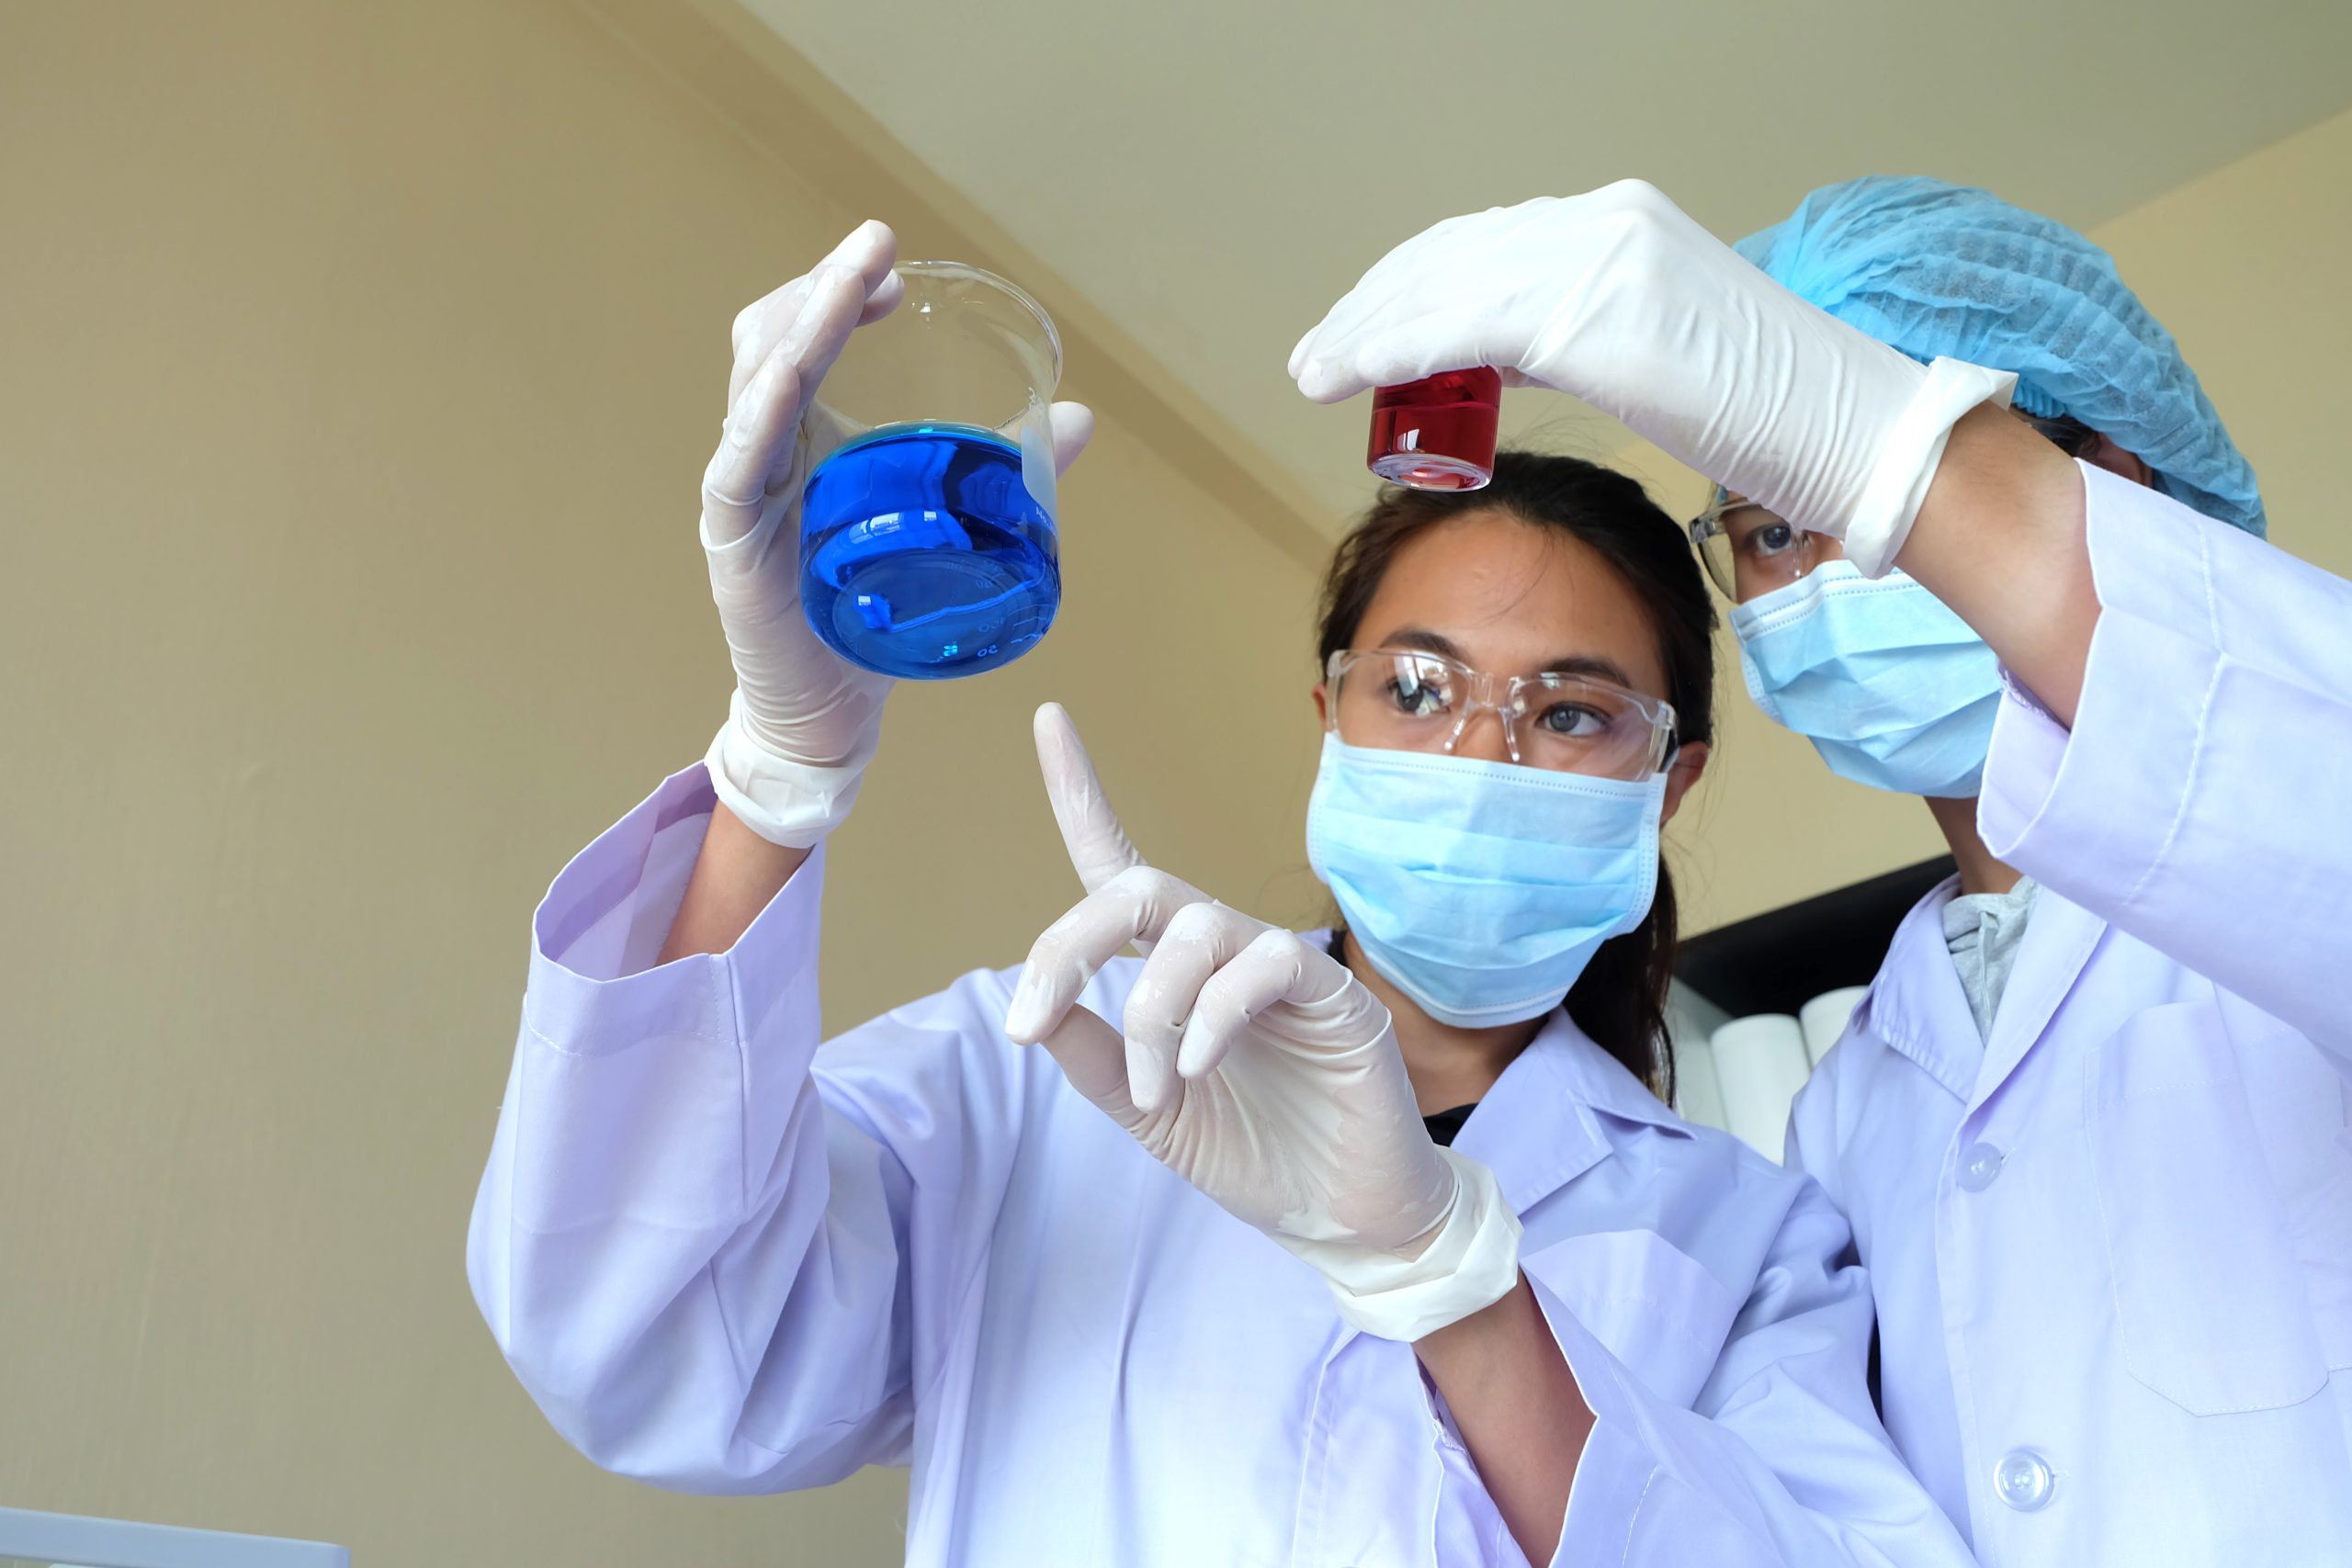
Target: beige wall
[
  {"x": 359, "y": 367},
  {"x": 2249, "y": 267}
]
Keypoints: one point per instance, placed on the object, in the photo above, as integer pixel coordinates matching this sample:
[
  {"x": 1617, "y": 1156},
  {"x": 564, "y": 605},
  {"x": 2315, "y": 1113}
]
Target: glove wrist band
[
  {"x": 1907, "y": 465},
  {"x": 1471, "y": 1262},
  {"x": 788, "y": 804}
]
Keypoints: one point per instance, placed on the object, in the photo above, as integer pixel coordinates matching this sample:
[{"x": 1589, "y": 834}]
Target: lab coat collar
[
  {"x": 1915, "y": 1004},
  {"x": 2059, "y": 940},
  {"x": 1546, "y": 1121},
  {"x": 1916, "y": 1007}
]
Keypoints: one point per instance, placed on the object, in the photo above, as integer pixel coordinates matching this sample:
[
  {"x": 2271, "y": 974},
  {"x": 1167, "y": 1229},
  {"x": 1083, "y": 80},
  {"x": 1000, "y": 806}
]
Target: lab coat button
[
  {"x": 2023, "y": 1480},
  {"x": 1979, "y": 1164}
]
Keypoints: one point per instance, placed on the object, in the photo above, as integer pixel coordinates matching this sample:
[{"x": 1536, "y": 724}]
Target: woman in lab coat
[
  {"x": 2090, "y": 1127},
  {"x": 1196, "y": 1282}
]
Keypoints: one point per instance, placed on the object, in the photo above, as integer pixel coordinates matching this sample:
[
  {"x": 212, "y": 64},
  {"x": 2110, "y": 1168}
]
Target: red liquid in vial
[{"x": 1437, "y": 434}]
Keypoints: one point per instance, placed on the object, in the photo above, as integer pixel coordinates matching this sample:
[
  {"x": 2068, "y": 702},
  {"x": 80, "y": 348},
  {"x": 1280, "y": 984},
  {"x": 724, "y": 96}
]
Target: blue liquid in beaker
[{"x": 923, "y": 555}]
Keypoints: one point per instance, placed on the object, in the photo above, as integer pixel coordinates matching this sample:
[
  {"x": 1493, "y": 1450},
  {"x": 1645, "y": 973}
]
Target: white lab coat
[
  {"x": 723, "y": 1259},
  {"x": 2111, "y": 1247}
]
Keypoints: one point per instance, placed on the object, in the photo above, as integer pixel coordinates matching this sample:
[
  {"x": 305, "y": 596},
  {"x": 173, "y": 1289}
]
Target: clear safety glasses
[
  {"x": 1424, "y": 702},
  {"x": 1748, "y": 551}
]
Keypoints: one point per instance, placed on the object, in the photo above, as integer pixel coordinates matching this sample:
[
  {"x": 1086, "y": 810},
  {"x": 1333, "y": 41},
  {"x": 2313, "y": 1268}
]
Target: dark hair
[{"x": 1620, "y": 1000}]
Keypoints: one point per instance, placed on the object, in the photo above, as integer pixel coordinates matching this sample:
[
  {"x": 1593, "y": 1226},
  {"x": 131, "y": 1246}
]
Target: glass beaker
[
  {"x": 1437, "y": 433},
  {"x": 929, "y": 545}
]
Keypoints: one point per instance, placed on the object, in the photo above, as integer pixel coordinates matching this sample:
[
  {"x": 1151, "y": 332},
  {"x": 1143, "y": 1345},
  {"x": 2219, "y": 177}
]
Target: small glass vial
[{"x": 1437, "y": 432}]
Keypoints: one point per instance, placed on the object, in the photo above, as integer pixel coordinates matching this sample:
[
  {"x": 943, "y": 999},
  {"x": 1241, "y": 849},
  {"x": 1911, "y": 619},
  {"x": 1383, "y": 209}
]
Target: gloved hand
[
  {"x": 1618, "y": 299},
  {"x": 1258, "y": 1068},
  {"x": 803, "y": 722}
]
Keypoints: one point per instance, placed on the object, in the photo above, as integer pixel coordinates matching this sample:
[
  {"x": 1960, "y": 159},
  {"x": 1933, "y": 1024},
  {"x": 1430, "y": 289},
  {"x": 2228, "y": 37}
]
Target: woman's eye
[
  {"x": 1572, "y": 721},
  {"x": 1413, "y": 692},
  {"x": 1772, "y": 540}
]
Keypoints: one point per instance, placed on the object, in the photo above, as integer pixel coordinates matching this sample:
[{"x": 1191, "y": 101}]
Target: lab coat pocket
[
  {"x": 1657, "y": 1309},
  {"x": 2211, "y": 1302}
]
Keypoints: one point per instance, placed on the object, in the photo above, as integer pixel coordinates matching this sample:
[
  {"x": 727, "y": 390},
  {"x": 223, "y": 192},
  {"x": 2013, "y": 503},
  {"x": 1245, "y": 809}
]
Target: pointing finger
[{"x": 1099, "y": 847}]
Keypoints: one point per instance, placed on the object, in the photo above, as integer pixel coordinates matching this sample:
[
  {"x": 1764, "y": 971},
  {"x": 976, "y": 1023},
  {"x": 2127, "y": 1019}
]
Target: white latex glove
[
  {"x": 803, "y": 722},
  {"x": 1617, "y": 297},
  {"x": 1258, "y": 1068}
]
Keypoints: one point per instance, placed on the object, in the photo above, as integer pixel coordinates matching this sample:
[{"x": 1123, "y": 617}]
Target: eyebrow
[{"x": 1589, "y": 665}]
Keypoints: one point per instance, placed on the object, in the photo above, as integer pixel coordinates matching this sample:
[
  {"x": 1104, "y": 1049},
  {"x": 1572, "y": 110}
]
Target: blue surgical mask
[
  {"x": 1892, "y": 689},
  {"x": 1481, "y": 889}
]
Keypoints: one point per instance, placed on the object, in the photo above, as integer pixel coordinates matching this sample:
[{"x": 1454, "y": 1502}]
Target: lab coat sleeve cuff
[
  {"x": 1628, "y": 1470},
  {"x": 597, "y": 932},
  {"x": 1616, "y": 1467},
  {"x": 623, "y": 1062},
  {"x": 2196, "y": 804},
  {"x": 2100, "y": 807}
]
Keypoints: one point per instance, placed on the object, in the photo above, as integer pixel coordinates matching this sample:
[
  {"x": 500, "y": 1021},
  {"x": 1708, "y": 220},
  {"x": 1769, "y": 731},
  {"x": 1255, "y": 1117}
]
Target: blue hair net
[{"x": 1936, "y": 269}]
